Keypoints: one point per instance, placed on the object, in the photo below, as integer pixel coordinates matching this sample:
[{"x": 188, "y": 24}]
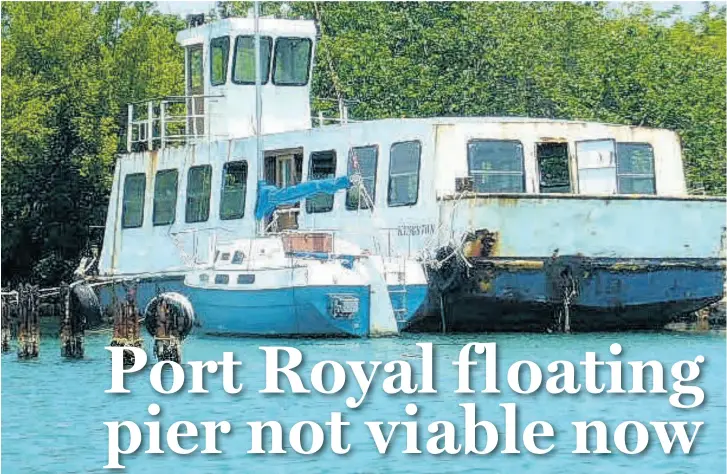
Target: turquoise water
[{"x": 53, "y": 410}]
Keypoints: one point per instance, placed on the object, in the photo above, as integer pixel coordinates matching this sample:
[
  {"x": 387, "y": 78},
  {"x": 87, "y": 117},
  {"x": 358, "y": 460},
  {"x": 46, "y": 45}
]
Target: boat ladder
[{"x": 399, "y": 289}]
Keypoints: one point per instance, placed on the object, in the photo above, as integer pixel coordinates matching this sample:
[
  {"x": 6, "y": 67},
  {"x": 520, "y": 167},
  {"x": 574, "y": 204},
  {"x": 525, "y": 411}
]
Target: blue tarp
[{"x": 269, "y": 197}]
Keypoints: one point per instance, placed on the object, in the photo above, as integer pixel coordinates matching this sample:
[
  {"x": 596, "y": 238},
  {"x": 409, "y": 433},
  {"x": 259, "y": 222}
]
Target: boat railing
[{"x": 168, "y": 121}]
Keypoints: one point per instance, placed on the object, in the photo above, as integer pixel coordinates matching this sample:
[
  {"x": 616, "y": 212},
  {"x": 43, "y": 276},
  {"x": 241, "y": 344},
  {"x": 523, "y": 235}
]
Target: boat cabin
[{"x": 190, "y": 178}]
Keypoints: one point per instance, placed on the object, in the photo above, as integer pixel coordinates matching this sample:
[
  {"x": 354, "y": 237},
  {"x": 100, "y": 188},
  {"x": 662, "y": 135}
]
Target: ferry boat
[{"x": 474, "y": 223}]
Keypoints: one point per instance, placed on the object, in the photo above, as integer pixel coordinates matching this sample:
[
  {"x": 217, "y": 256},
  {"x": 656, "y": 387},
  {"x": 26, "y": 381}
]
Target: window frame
[
  {"x": 275, "y": 61},
  {"x": 123, "y": 201},
  {"x": 522, "y": 161},
  {"x": 265, "y": 75},
  {"x": 376, "y": 175},
  {"x": 419, "y": 169},
  {"x": 186, "y": 194},
  {"x": 222, "y": 190},
  {"x": 176, "y": 197},
  {"x": 635, "y": 175},
  {"x": 190, "y": 50},
  {"x": 310, "y": 169},
  {"x": 225, "y": 69},
  {"x": 571, "y": 185}
]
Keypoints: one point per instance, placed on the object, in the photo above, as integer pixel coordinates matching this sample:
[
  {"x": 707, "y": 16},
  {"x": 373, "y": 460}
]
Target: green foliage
[{"x": 70, "y": 68}]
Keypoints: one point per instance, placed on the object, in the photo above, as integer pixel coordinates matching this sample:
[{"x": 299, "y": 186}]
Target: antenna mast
[{"x": 258, "y": 109}]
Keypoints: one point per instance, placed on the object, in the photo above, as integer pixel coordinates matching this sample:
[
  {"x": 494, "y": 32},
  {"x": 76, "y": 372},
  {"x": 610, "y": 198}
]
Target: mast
[{"x": 258, "y": 109}]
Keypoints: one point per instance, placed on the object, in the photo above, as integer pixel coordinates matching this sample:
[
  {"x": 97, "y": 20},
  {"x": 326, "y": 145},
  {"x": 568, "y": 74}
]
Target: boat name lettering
[{"x": 421, "y": 229}]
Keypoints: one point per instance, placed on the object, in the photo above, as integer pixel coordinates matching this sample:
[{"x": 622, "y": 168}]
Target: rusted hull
[{"x": 601, "y": 294}]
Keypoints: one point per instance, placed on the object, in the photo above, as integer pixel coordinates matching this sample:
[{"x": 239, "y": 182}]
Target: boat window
[
  {"x": 245, "y": 279},
  {"x": 198, "y": 193},
  {"x": 322, "y": 166},
  {"x": 195, "y": 70},
  {"x": 635, "y": 168},
  {"x": 404, "y": 160},
  {"x": 222, "y": 279},
  {"x": 243, "y": 62},
  {"x": 496, "y": 166},
  {"x": 234, "y": 188},
  {"x": 553, "y": 166},
  {"x": 596, "y": 166},
  {"x": 132, "y": 208},
  {"x": 165, "y": 197},
  {"x": 204, "y": 278},
  {"x": 219, "y": 57},
  {"x": 225, "y": 256},
  {"x": 292, "y": 61},
  {"x": 238, "y": 257},
  {"x": 362, "y": 161}
]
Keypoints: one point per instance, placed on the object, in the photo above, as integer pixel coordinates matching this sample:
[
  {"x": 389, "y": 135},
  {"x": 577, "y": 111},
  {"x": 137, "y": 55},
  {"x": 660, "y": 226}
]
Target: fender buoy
[
  {"x": 84, "y": 301},
  {"x": 179, "y": 314}
]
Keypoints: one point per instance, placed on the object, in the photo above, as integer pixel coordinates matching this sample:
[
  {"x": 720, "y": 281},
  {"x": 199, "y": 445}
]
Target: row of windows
[
  {"x": 405, "y": 158},
  {"x": 497, "y": 166},
  {"x": 291, "y": 62},
  {"x": 197, "y": 206},
  {"x": 404, "y": 163}
]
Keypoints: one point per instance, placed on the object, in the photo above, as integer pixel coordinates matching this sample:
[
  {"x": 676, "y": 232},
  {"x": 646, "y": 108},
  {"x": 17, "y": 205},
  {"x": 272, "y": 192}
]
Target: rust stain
[{"x": 520, "y": 264}]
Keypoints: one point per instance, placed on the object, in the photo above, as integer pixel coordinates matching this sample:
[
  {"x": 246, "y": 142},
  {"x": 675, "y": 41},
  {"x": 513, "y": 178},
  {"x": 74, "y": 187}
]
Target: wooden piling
[
  {"x": 72, "y": 325},
  {"x": 28, "y": 322},
  {"x": 167, "y": 340},
  {"x": 9, "y": 309},
  {"x": 127, "y": 327}
]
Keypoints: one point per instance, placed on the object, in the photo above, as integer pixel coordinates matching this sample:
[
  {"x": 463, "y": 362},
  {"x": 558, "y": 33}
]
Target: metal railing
[{"x": 173, "y": 120}]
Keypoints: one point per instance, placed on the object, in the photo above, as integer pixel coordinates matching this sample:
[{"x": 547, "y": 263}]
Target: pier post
[
  {"x": 8, "y": 321},
  {"x": 72, "y": 326},
  {"x": 167, "y": 340},
  {"x": 127, "y": 327},
  {"x": 29, "y": 322}
]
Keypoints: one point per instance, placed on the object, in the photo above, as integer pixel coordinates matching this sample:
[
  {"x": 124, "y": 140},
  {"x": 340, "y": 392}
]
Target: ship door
[
  {"x": 596, "y": 166},
  {"x": 284, "y": 168},
  {"x": 195, "y": 90}
]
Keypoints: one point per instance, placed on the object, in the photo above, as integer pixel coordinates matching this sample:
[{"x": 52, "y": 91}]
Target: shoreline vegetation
[{"x": 69, "y": 69}]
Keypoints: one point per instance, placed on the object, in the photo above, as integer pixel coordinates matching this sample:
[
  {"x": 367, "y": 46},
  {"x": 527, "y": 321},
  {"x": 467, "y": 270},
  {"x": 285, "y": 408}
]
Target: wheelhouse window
[
  {"x": 362, "y": 161},
  {"x": 243, "y": 62},
  {"x": 496, "y": 166},
  {"x": 219, "y": 57},
  {"x": 234, "y": 188},
  {"x": 635, "y": 168},
  {"x": 199, "y": 180},
  {"x": 292, "y": 61},
  {"x": 195, "y": 69},
  {"x": 322, "y": 166},
  {"x": 165, "y": 197},
  {"x": 404, "y": 161},
  {"x": 132, "y": 210}
]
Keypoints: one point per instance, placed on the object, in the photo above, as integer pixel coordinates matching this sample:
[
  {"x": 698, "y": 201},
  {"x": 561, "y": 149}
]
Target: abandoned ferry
[{"x": 475, "y": 223}]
